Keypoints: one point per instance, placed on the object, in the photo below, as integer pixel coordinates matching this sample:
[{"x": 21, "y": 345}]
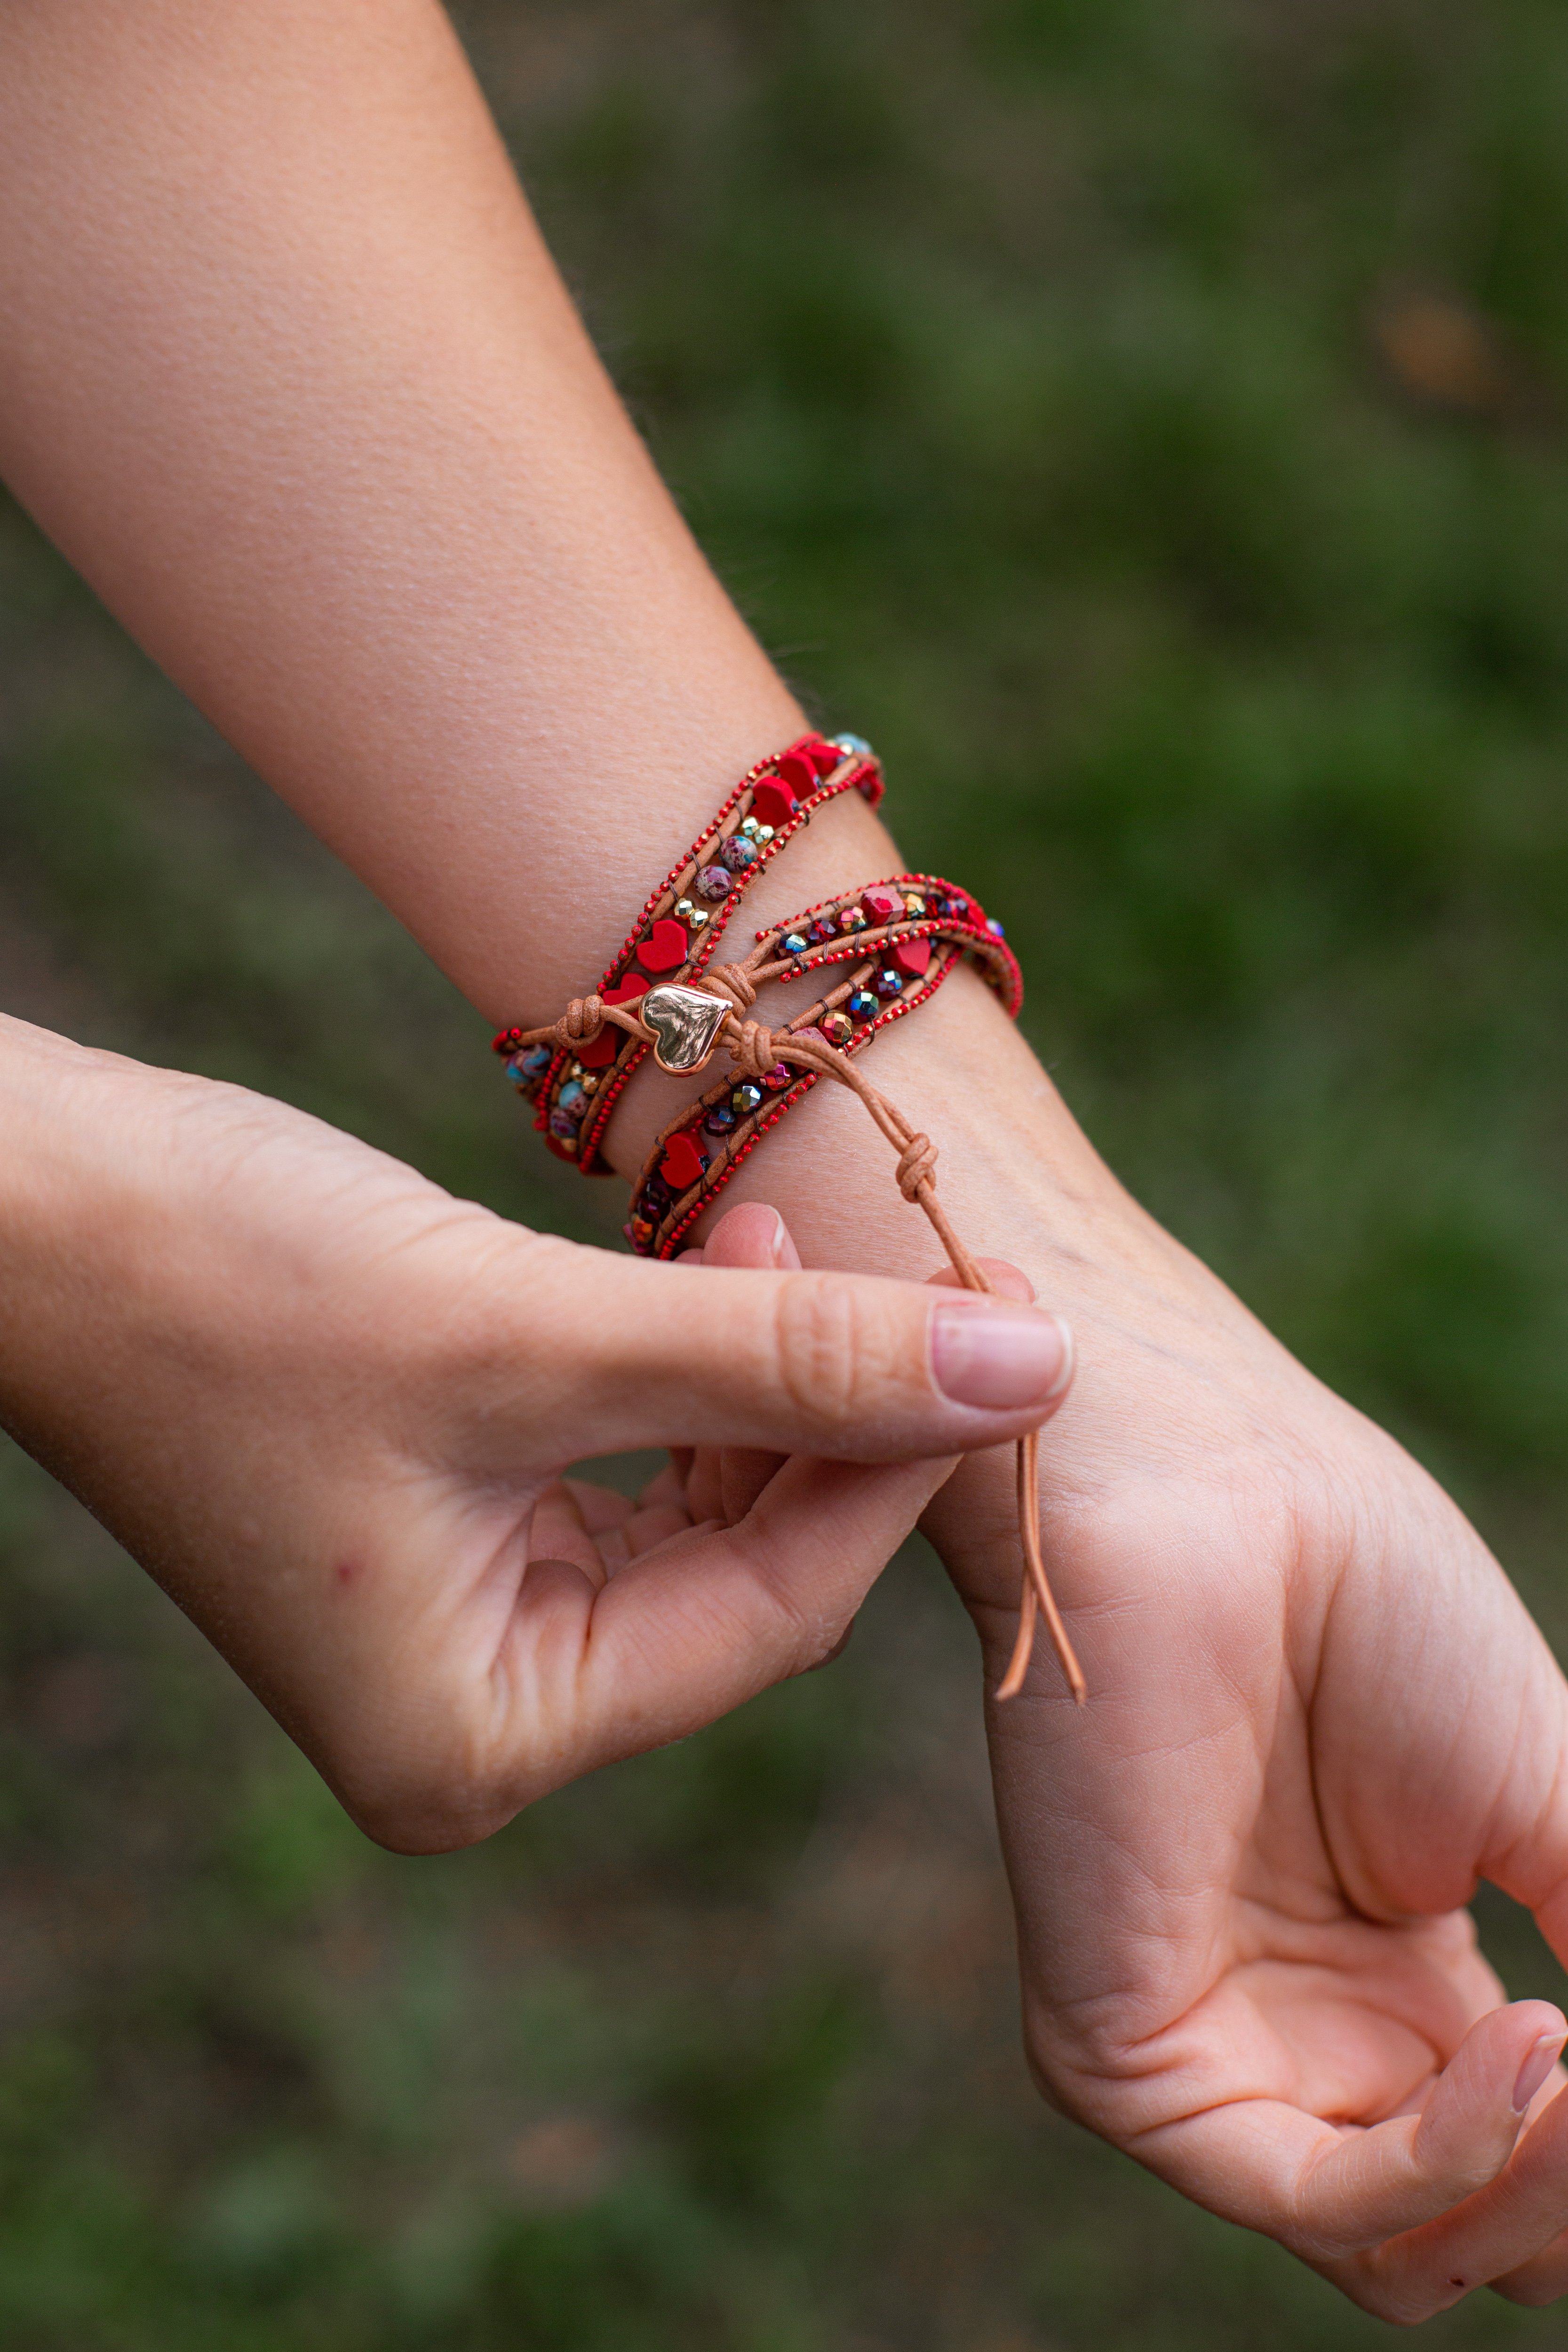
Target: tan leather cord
[{"x": 756, "y": 1049}]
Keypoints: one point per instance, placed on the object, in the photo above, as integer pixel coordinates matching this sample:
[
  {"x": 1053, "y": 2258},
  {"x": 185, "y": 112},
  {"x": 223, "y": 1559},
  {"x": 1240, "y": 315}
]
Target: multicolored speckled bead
[
  {"x": 573, "y": 1099},
  {"x": 529, "y": 1066},
  {"x": 714, "y": 882},
  {"x": 738, "y": 853}
]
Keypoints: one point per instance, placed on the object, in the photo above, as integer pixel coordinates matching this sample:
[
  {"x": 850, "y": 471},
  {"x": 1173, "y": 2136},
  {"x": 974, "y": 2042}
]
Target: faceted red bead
[
  {"x": 624, "y": 991},
  {"x": 775, "y": 804},
  {"x": 682, "y": 1163},
  {"x": 912, "y": 956},
  {"x": 882, "y": 906},
  {"x": 665, "y": 946}
]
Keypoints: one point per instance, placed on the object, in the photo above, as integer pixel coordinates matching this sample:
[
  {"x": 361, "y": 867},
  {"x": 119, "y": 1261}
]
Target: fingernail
[
  {"x": 1538, "y": 2062},
  {"x": 1001, "y": 1358},
  {"x": 785, "y": 1256}
]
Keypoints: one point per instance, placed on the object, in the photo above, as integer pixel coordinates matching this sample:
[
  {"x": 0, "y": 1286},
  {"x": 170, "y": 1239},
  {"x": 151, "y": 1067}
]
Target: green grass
[{"x": 1018, "y": 363}]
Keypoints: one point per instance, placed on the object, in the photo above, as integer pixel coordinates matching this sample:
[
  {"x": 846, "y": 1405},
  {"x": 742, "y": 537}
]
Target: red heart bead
[
  {"x": 912, "y": 956},
  {"x": 824, "y": 756},
  {"x": 624, "y": 991},
  {"x": 796, "y": 773},
  {"x": 774, "y": 804},
  {"x": 601, "y": 1051},
  {"x": 665, "y": 946},
  {"x": 682, "y": 1163}
]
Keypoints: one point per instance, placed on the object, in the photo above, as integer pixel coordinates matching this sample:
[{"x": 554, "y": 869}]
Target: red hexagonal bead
[
  {"x": 775, "y": 804},
  {"x": 912, "y": 956},
  {"x": 665, "y": 946},
  {"x": 682, "y": 1163}
]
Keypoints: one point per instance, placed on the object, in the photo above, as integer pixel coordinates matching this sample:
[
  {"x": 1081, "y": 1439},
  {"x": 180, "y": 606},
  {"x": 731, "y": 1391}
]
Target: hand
[
  {"x": 1318, "y": 1713},
  {"x": 327, "y": 1405}
]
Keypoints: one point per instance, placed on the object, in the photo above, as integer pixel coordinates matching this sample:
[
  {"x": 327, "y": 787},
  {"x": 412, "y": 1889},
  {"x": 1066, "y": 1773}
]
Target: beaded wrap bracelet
[
  {"x": 909, "y": 931},
  {"x": 575, "y": 1088},
  {"x": 905, "y": 936}
]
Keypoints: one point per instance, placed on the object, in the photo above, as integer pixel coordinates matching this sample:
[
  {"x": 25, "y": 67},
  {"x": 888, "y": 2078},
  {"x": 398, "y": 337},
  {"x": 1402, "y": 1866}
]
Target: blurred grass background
[{"x": 1149, "y": 422}]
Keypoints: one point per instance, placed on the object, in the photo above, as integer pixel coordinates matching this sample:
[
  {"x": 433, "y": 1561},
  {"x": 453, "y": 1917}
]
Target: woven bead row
[
  {"x": 574, "y": 1093},
  {"x": 904, "y": 937}
]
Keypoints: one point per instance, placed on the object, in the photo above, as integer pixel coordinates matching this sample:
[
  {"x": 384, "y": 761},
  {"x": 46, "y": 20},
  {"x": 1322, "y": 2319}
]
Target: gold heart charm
[{"x": 684, "y": 1021}]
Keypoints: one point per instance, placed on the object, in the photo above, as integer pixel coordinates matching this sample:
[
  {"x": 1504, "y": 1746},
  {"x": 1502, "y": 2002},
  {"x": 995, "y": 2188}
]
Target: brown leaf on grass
[{"x": 1442, "y": 354}]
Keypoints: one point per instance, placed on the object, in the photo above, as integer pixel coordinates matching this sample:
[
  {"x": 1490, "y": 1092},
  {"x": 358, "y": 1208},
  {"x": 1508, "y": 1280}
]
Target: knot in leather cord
[
  {"x": 728, "y": 980},
  {"x": 917, "y": 1166},
  {"x": 752, "y": 1049},
  {"x": 581, "y": 1023}
]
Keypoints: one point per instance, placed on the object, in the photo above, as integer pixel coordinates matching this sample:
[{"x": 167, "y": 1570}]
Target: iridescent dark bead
[
  {"x": 822, "y": 930},
  {"x": 861, "y": 1005},
  {"x": 745, "y": 1097},
  {"x": 837, "y": 1028},
  {"x": 719, "y": 1119},
  {"x": 952, "y": 910},
  {"x": 780, "y": 1076},
  {"x": 853, "y": 919},
  {"x": 794, "y": 943},
  {"x": 639, "y": 1232},
  {"x": 738, "y": 853},
  {"x": 889, "y": 984},
  {"x": 713, "y": 882},
  {"x": 655, "y": 1197},
  {"x": 995, "y": 927}
]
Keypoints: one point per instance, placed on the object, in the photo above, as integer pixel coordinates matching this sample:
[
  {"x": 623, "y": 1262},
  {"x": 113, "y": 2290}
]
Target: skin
[{"x": 295, "y": 385}]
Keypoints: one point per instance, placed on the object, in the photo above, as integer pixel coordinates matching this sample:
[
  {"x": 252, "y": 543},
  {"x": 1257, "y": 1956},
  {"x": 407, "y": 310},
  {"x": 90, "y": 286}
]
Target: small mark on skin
[
  {"x": 347, "y": 1570},
  {"x": 1455, "y": 2281}
]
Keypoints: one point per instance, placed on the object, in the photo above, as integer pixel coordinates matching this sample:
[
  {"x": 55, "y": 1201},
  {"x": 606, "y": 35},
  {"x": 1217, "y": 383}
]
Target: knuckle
[{"x": 834, "y": 1360}]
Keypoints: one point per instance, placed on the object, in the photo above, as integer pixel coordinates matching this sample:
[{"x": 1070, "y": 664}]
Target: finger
[
  {"x": 599, "y": 1508},
  {"x": 1507, "y": 2229},
  {"x": 557, "y": 1531},
  {"x": 1331, "y": 2195},
  {"x": 754, "y": 1234},
  {"x": 824, "y": 1364},
  {"x": 707, "y": 1621},
  {"x": 1007, "y": 1280},
  {"x": 668, "y": 1485}
]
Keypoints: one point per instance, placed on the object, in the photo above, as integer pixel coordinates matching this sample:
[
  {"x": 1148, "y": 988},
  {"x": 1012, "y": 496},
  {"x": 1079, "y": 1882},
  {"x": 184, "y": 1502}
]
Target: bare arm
[{"x": 287, "y": 373}]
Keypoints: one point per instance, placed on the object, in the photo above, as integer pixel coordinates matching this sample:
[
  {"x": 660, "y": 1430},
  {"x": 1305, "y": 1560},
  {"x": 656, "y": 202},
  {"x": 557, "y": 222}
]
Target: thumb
[{"x": 623, "y": 1353}]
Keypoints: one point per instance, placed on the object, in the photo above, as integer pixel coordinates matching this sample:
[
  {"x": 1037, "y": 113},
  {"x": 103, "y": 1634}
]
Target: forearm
[{"x": 296, "y": 385}]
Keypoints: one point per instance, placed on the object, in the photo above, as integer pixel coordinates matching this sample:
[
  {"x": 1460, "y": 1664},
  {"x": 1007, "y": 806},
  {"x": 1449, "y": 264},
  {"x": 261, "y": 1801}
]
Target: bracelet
[
  {"x": 685, "y": 1022},
  {"x": 914, "y": 928},
  {"x": 575, "y": 1088}
]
